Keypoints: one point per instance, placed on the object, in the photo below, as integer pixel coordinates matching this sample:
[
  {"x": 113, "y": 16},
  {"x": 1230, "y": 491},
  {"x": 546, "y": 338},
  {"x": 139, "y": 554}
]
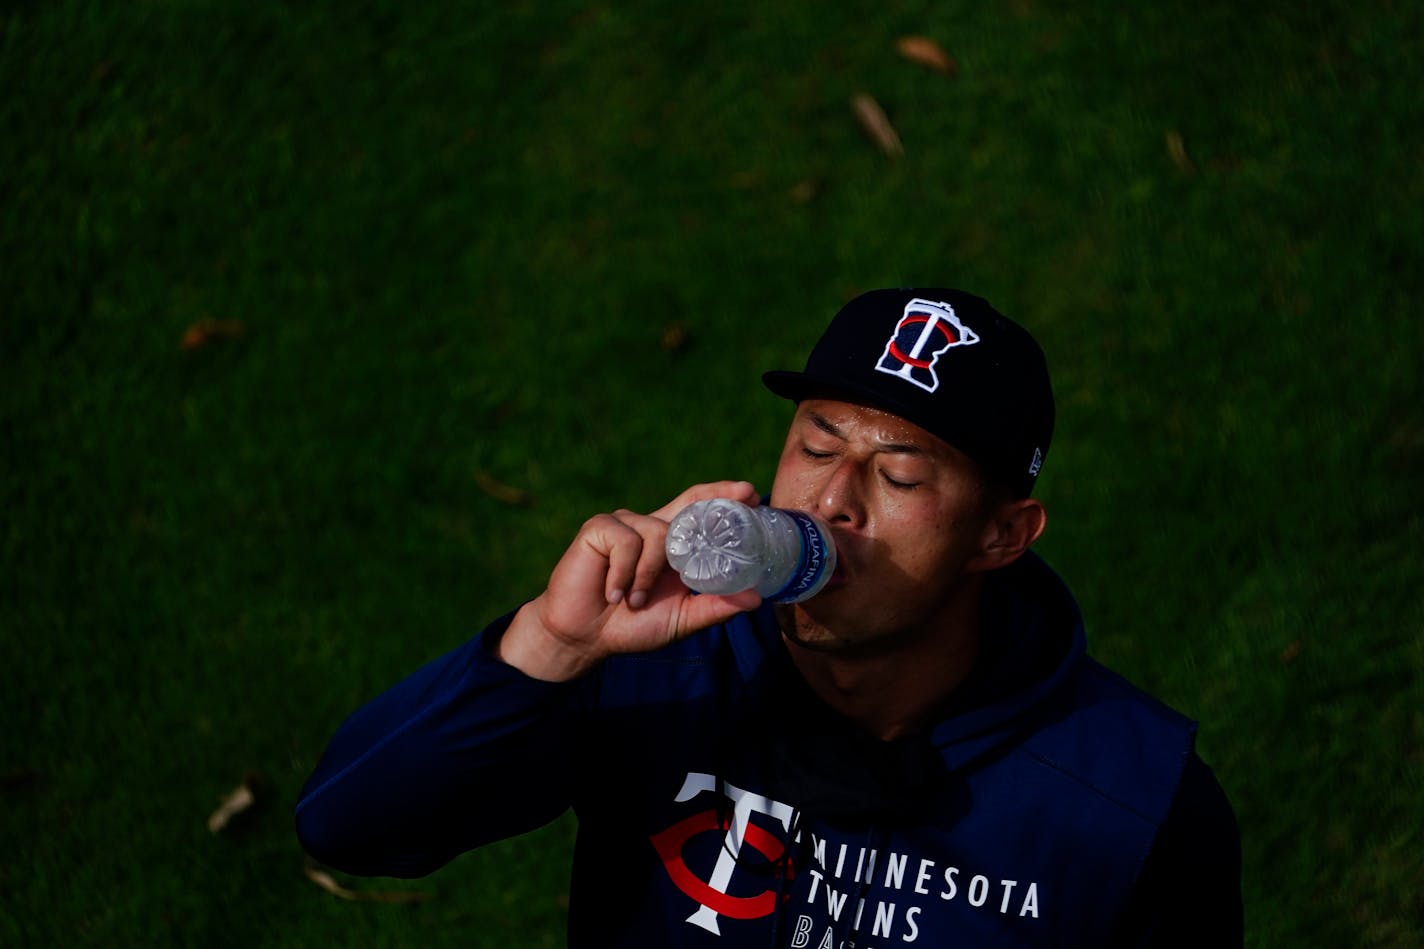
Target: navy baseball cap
[{"x": 946, "y": 361}]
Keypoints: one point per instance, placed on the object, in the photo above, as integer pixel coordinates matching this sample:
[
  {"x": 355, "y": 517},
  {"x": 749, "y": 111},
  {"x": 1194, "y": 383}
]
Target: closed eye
[
  {"x": 812, "y": 453},
  {"x": 899, "y": 485}
]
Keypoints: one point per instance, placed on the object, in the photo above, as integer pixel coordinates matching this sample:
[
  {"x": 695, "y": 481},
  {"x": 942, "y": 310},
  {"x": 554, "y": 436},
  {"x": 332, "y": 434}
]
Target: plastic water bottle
[{"x": 723, "y": 546}]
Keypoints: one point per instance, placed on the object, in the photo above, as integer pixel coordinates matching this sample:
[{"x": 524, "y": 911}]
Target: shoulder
[{"x": 1116, "y": 740}]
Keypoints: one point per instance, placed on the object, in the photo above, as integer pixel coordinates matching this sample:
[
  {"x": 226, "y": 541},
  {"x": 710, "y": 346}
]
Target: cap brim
[
  {"x": 788, "y": 385},
  {"x": 797, "y": 386}
]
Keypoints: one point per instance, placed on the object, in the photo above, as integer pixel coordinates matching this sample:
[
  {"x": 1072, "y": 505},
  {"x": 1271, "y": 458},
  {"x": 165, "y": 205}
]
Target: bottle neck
[{"x": 815, "y": 560}]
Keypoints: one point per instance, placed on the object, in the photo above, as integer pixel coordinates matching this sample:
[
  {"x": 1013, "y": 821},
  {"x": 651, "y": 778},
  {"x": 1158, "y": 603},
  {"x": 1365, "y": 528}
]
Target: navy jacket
[{"x": 720, "y": 804}]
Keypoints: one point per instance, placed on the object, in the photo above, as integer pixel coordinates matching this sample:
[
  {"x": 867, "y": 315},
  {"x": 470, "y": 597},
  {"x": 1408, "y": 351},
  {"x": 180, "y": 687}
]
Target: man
[{"x": 920, "y": 753}]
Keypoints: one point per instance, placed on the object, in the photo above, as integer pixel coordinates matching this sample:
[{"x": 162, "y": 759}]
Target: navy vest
[{"x": 1030, "y": 831}]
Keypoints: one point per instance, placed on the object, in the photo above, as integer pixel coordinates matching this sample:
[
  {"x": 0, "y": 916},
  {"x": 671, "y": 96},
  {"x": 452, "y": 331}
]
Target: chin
[
  {"x": 800, "y": 628},
  {"x": 799, "y": 625}
]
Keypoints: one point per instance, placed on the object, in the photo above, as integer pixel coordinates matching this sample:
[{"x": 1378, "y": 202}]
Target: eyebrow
[{"x": 830, "y": 428}]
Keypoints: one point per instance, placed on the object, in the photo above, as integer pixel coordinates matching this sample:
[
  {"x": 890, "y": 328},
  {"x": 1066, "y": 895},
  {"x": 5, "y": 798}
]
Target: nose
[{"x": 840, "y": 500}]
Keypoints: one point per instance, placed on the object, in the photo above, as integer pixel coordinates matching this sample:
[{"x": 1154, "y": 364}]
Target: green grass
[{"x": 456, "y": 241}]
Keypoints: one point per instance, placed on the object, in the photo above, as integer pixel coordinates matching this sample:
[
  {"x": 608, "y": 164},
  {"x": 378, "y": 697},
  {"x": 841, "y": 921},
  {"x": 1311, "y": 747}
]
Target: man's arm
[
  {"x": 464, "y": 751},
  {"x": 479, "y": 744}
]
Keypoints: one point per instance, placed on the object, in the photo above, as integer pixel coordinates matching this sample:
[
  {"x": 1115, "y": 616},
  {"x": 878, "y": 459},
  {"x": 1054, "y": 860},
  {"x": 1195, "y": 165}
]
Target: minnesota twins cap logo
[{"x": 925, "y": 331}]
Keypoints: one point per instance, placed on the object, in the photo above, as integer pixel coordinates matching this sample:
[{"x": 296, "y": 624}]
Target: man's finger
[
  {"x": 700, "y": 612},
  {"x": 743, "y": 491},
  {"x": 621, "y": 545},
  {"x": 652, "y": 558}
]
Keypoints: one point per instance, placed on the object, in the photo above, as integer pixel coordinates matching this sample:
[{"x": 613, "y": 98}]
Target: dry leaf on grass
[
  {"x": 1178, "y": 150},
  {"x": 238, "y": 801},
  {"x": 328, "y": 883},
  {"x": 928, "y": 53},
  {"x": 209, "y": 331},
  {"x": 675, "y": 337},
  {"x": 804, "y": 191},
  {"x": 877, "y": 125},
  {"x": 505, "y": 494}
]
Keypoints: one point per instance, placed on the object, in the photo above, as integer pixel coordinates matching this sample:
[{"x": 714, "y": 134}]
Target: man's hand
[{"x": 612, "y": 592}]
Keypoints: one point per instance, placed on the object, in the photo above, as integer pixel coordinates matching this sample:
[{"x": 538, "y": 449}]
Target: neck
[{"x": 892, "y": 690}]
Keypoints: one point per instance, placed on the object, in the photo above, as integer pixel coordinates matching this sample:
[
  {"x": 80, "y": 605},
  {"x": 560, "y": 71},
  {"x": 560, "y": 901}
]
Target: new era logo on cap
[{"x": 926, "y": 330}]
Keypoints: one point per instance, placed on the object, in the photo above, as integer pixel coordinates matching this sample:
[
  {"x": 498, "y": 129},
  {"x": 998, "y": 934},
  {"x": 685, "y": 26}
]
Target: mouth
[{"x": 840, "y": 576}]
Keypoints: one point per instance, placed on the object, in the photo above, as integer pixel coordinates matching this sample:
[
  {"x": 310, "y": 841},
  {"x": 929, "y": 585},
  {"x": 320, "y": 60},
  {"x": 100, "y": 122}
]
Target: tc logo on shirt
[
  {"x": 840, "y": 888},
  {"x": 713, "y": 893}
]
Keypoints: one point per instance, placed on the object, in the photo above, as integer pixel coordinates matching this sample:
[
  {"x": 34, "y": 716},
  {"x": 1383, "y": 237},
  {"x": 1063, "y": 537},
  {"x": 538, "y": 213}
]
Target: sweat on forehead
[{"x": 885, "y": 430}]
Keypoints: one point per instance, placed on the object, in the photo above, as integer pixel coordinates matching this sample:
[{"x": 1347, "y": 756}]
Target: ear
[{"x": 1011, "y": 529}]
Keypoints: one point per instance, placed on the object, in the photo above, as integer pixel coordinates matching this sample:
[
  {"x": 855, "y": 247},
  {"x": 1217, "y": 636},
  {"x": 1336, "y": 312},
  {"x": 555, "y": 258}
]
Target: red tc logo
[{"x": 712, "y": 893}]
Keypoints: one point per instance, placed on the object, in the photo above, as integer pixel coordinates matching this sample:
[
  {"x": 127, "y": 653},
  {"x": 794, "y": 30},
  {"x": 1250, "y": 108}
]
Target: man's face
[{"x": 908, "y": 514}]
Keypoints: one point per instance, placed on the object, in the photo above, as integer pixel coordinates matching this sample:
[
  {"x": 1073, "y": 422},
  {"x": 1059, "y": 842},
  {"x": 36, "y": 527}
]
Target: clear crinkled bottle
[{"x": 723, "y": 546}]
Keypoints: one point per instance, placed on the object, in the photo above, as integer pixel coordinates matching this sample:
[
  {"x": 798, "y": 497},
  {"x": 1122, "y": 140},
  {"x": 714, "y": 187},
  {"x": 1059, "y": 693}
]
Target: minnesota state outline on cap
[{"x": 926, "y": 330}]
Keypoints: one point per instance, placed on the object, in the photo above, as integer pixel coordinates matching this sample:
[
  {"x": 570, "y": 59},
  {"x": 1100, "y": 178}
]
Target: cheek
[
  {"x": 928, "y": 543},
  {"x": 909, "y": 520},
  {"x": 789, "y": 489},
  {"x": 792, "y": 486}
]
